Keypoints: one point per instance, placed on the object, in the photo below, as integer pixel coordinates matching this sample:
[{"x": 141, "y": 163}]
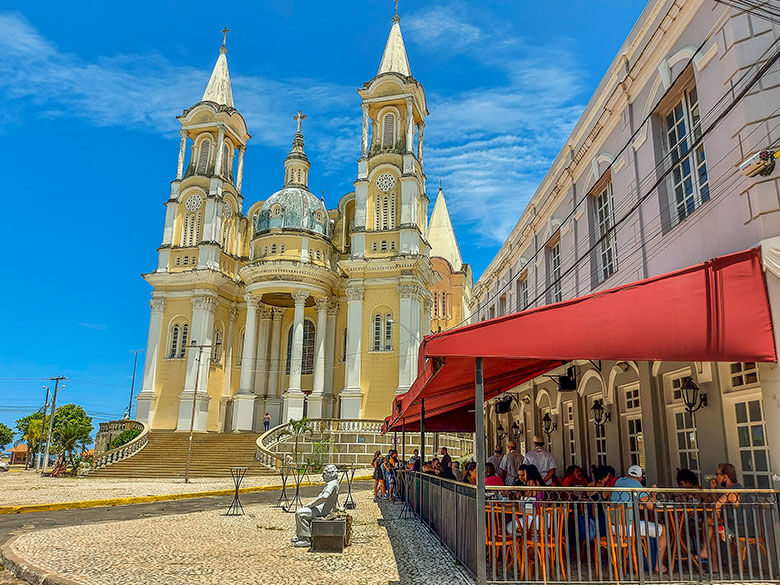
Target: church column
[
  {"x": 293, "y": 398},
  {"x": 220, "y": 151},
  {"x": 182, "y": 147},
  {"x": 240, "y": 168},
  {"x": 204, "y": 305},
  {"x": 227, "y": 377},
  {"x": 330, "y": 351},
  {"x": 352, "y": 394},
  {"x": 261, "y": 369},
  {"x": 420, "y": 129},
  {"x": 244, "y": 399},
  {"x": 272, "y": 403},
  {"x": 405, "y": 341},
  {"x": 317, "y": 399},
  {"x": 364, "y": 137},
  {"x": 409, "y": 126},
  {"x": 144, "y": 404}
]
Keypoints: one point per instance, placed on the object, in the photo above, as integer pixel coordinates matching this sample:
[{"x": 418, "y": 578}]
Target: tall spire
[
  {"x": 441, "y": 236},
  {"x": 219, "y": 90},
  {"x": 394, "y": 58},
  {"x": 296, "y": 165}
]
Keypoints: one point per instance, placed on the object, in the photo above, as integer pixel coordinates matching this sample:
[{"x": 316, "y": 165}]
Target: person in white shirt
[
  {"x": 509, "y": 464},
  {"x": 542, "y": 459},
  {"x": 496, "y": 459}
]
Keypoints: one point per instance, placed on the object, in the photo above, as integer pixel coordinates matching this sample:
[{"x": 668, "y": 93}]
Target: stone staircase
[{"x": 165, "y": 456}]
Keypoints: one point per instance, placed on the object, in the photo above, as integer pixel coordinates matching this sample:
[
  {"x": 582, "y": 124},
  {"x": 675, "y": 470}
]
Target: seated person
[
  {"x": 574, "y": 476},
  {"x": 470, "y": 473},
  {"x": 490, "y": 475},
  {"x": 319, "y": 506},
  {"x": 647, "y": 528}
]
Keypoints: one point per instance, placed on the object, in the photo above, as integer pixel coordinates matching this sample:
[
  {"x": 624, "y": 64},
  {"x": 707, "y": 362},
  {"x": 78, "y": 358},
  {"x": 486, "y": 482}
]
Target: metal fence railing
[{"x": 586, "y": 534}]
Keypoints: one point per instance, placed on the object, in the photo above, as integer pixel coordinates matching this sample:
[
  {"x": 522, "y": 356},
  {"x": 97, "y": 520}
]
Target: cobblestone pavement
[
  {"x": 28, "y": 487},
  {"x": 7, "y": 578},
  {"x": 207, "y": 547}
]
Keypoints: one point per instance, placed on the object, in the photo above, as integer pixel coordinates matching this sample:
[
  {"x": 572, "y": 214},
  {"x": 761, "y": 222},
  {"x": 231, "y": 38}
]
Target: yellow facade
[{"x": 284, "y": 306}]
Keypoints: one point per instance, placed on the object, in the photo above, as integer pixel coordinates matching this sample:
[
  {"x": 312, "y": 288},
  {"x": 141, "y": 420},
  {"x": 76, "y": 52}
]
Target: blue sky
[{"x": 89, "y": 141}]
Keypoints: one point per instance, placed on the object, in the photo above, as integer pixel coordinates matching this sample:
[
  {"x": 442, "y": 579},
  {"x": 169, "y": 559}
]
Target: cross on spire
[
  {"x": 224, "y": 32},
  {"x": 396, "y": 8},
  {"x": 299, "y": 118}
]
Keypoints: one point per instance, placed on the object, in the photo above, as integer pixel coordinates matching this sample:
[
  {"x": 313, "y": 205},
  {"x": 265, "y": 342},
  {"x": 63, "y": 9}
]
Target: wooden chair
[
  {"x": 496, "y": 538},
  {"x": 545, "y": 538}
]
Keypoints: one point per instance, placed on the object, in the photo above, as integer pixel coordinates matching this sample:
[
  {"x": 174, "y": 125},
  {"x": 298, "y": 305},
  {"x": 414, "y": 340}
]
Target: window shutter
[
  {"x": 388, "y": 134},
  {"x": 203, "y": 157}
]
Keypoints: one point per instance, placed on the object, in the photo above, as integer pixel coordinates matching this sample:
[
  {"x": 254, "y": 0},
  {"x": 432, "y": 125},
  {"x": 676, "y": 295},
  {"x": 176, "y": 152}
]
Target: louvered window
[
  {"x": 377, "y": 332},
  {"x": 388, "y": 332},
  {"x": 203, "y": 157},
  {"x": 190, "y": 232},
  {"x": 174, "y": 342},
  {"x": 225, "y": 161},
  {"x": 183, "y": 348},
  {"x": 388, "y": 132}
]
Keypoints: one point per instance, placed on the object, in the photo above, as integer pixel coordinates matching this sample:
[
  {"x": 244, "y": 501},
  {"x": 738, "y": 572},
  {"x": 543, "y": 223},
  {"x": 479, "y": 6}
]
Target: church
[{"x": 284, "y": 306}]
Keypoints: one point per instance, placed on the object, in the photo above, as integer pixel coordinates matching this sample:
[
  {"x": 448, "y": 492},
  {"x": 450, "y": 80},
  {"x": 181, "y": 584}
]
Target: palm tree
[
  {"x": 67, "y": 439},
  {"x": 298, "y": 430}
]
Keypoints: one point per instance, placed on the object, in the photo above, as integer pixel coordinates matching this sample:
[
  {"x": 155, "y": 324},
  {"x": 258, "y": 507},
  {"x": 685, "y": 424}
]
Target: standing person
[
  {"x": 379, "y": 475},
  {"x": 446, "y": 460},
  {"x": 267, "y": 421},
  {"x": 390, "y": 479},
  {"x": 496, "y": 458},
  {"x": 415, "y": 458},
  {"x": 542, "y": 459},
  {"x": 510, "y": 463}
]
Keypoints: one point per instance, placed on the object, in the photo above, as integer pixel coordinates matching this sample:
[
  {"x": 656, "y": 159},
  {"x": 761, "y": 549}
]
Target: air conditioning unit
[{"x": 760, "y": 163}]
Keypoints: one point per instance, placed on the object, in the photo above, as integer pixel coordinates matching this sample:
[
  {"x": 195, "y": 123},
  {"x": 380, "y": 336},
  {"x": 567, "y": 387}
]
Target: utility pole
[
  {"x": 56, "y": 380},
  {"x": 132, "y": 384},
  {"x": 40, "y": 440},
  {"x": 200, "y": 348}
]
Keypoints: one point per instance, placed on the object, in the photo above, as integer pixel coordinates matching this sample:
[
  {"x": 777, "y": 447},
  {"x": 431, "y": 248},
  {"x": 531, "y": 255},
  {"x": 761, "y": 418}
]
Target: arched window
[
  {"x": 377, "y": 346},
  {"x": 391, "y": 219},
  {"x": 190, "y": 229},
  {"x": 307, "y": 356},
  {"x": 225, "y": 160},
  {"x": 373, "y": 246},
  {"x": 186, "y": 260},
  {"x": 384, "y": 212},
  {"x": 388, "y": 332},
  {"x": 178, "y": 261},
  {"x": 435, "y": 304},
  {"x": 203, "y": 157},
  {"x": 388, "y": 131},
  {"x": 299, "y": 175},
  {"x": 273, "y": 248},
  {"x": 392, "y": 245},
  {"x": 384, "y": 245},
  {"x": 282, "y": 249},
  {"x": 226, "y": 231},
  {"x": 216, "y": 351},
  {"x": 178, "y": 345}
]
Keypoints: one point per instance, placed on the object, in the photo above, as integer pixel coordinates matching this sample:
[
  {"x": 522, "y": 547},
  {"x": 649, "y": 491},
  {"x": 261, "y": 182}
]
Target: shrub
[{"x": 124, "y": 438}]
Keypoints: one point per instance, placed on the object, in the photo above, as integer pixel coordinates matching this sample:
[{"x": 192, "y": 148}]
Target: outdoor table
[
  {"x": 298, "y": 472},
  {"x": 348, "y": 474},
  {"x": 284, "y": 471},
  {"x": 237, "y": 473}
]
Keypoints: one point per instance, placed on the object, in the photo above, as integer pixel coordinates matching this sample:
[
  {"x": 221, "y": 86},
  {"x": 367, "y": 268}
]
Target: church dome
[{"x": 294, "y": 208}]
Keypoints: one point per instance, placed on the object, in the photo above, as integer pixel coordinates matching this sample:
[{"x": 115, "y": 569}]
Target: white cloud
[{"x": 491, "y": 145}]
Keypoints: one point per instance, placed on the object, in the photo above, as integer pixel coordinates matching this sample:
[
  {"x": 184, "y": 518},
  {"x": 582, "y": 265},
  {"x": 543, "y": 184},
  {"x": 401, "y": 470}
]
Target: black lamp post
[
  {"x": 517, "y": 431},
  {"x": 548, "y": 426},
  {"x": 693, "y": 398},
  {"x": 501, "y": 433},
  {"x": 600, "y": 417}
]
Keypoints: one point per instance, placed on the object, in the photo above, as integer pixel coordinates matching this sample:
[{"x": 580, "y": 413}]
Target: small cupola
[{"x": 297, "y": 165}]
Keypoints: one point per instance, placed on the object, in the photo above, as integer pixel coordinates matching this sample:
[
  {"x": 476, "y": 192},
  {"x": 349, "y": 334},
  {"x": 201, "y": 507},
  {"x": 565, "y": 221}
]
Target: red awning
[{"x": 717, "y": 312}]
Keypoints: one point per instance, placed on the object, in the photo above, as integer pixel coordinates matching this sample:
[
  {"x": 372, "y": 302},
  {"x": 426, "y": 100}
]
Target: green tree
[
  {"x": 67, "y": 440},
  {"x": 77, "y": 416},
  {"x": 6, "y": 435},
  {"x": 298, "y": 430}
]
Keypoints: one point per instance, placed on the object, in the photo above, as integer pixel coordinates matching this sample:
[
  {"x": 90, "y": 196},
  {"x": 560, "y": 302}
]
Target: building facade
[
  {"x": 648, "y": 183},
  {"x": 282, "y": 305}
]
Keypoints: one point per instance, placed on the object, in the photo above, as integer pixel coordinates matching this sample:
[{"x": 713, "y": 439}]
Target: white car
[{"x": 4, "y": 466}]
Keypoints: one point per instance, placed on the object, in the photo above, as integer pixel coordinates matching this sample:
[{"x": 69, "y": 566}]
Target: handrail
[{"x": 127, "y": 450}]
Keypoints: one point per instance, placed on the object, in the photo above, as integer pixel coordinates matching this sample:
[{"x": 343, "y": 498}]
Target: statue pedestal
[{"x": 328, "y": 535}]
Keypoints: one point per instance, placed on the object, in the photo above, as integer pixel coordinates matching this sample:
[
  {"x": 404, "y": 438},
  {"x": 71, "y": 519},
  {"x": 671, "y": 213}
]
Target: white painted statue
[{"x": 319, "y": 506}]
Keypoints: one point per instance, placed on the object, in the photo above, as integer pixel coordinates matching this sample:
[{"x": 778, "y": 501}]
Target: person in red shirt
[
  {"x": 490, "y": 475},
  {"x": 574, "y": 477}
]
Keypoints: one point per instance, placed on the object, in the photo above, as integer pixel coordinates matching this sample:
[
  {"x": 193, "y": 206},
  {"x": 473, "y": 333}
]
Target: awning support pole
[
  {"x": 422, "y": 456},
  {"x": 479, "y": 454},
  {"x": 403, "y": 441}
]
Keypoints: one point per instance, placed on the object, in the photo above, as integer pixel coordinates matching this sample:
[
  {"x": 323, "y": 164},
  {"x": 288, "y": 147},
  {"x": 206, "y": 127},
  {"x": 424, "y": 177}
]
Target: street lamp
[
  {"x": 501, "y": 434},
  {"x": 517, "y": 431},
  {"x": 692, "y": 397},
  {"x": 132, "y": 383},
  {"x": 200, "y": 348},
  {"x": 600, "y": 417},
  {"x": 548, "y": 426}
]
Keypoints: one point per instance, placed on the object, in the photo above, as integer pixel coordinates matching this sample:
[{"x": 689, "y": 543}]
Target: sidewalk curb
[
  {"x": 26, "y": 571},
  {"x": 27, "y": 508}
]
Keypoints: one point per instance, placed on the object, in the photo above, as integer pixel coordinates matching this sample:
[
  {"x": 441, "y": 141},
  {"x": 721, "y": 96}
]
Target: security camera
[{"x": 760, "y": 163}]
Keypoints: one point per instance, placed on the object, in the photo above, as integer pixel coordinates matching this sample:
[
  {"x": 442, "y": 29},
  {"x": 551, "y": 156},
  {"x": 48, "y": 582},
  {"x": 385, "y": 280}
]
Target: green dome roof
[{"x": 294, "y": 208}]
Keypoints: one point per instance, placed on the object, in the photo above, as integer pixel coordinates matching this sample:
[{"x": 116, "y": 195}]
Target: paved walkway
[
  {"x": 160, "y": 545},
  {"x": 17, "y": 489}
]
